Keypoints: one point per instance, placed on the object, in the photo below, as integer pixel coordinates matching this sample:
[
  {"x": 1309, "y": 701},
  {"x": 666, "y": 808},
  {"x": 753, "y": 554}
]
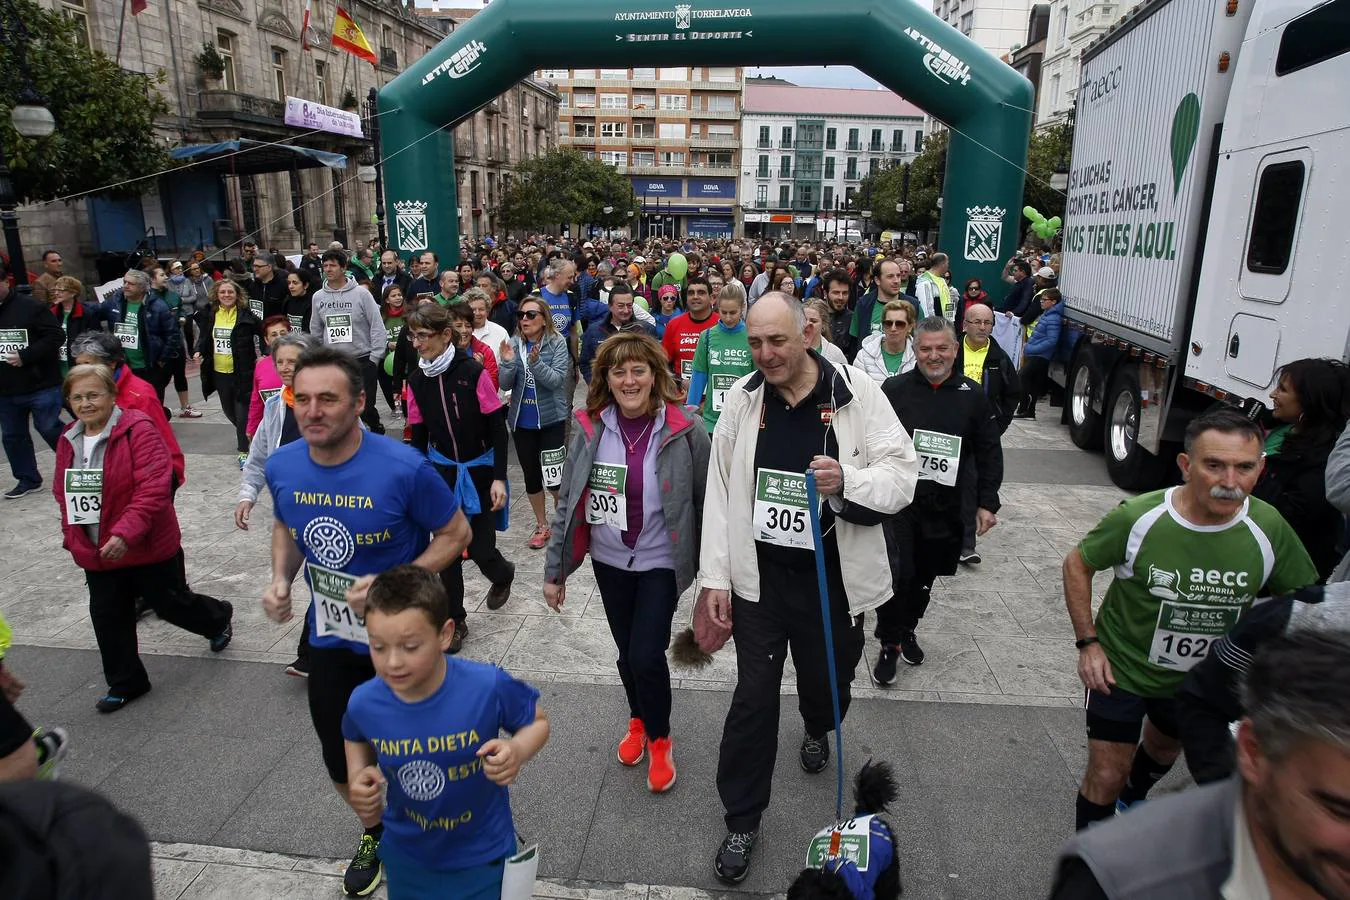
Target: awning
[{"x": 256, "y": 157}]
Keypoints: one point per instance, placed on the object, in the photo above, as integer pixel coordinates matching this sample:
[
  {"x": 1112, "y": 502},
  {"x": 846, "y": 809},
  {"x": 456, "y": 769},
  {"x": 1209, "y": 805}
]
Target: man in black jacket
[
  {"x": 30, "y": 383},
  {"x": 986, "y": 363},
  {"x": 267, "y": 291},
  {"x": 953, "y": 425},
  {"x": 1018, "y": 298},
  {"x": 390, "y": 274}
]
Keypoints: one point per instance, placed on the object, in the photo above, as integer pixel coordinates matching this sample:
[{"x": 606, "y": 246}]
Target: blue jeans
[{"x": 45, "y": 408}]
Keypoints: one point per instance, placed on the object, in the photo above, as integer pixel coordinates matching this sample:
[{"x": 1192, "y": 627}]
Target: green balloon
[
  {"x": 1054, "y": 222},
  {"x": 1031, "y": 213},
  {"x": 389, "y": 364},
  {"x": 677, "y": 266}
]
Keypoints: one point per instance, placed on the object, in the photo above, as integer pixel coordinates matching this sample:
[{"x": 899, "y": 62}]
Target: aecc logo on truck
[{"x": 1101, "y": 88}]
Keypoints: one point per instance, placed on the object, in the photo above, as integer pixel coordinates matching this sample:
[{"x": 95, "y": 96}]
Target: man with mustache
[{"x": 1188, "y": 562}]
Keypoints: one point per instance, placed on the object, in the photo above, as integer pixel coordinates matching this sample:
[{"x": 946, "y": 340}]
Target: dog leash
[{"x": 819, "y": 542}]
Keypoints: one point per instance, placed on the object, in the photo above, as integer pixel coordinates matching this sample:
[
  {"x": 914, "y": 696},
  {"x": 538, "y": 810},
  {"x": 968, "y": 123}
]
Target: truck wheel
[
  {"x": 1130, "y": 466},
  {"x": 1085, "y": 424}
]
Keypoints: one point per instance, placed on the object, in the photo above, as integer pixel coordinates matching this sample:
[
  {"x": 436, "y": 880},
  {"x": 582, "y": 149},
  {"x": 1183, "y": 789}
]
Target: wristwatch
[{"x": 1083, "y": 643}]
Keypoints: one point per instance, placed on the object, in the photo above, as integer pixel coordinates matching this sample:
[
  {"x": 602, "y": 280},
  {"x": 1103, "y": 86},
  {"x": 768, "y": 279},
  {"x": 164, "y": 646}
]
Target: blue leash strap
[{"x": 813, "y": 502}]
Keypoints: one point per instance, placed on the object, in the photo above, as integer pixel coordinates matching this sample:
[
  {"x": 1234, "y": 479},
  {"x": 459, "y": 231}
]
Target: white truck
[{"x": 1204, "y": 243}]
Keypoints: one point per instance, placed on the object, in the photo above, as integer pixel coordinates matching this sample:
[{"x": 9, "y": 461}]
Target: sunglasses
[
  {"x": 892, "y": 323},
  {"x": 530, "y": 314}
]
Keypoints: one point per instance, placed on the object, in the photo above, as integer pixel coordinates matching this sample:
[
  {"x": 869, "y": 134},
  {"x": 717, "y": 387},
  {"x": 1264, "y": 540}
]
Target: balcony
[
  {"x": 646, "y": 112},
  {"x": 701, "y": 113},
  {"x": 785, "y": 145},
  {"x": 763, "y": 173},
  {"x": 851, "y": 175},
  {"x": 464, "y": 148},
  {"x": 705, "y": 171},
  {"x": 389, "y": 58},
  {"x": 240, "y": 107},
  {"x": 874, "y": 148},
  {"x": 620, "y": 141},
  {"x": 763, "y": 145},
  {"x": 853, "y": 146},
  {"x": 810, "y": 145},
  {"x": 714, "y": 141}
]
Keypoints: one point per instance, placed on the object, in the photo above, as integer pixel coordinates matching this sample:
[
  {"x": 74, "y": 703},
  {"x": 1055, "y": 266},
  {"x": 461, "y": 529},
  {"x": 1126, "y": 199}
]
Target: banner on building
[
  {"x": 658, "y": 187},
  {"x": 316, "y": 117},
  {"x": 712, "y": 187}
]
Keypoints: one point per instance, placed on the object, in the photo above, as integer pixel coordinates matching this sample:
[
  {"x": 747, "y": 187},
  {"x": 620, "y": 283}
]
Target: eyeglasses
[
  {"x": 92, "y": 397},
  {"x": 421, "y": 335},
  {"x": 892, "y": 323},
  {"x": 530, "y": 314}
]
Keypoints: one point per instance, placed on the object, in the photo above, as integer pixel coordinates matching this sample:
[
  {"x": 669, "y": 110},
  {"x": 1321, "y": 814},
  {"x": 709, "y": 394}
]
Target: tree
[
  {"x": 104, "y": 114},
  {"x": 1049, "y": 150},
  {"x": 882, "y": 191},
  {"x": 564, "y": 187}
]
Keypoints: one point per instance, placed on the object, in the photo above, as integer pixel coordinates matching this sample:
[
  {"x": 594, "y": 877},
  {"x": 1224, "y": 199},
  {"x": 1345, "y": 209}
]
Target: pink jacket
[
  {"x": 265, "y": 378},
  {"x": 137, "y": 497}
]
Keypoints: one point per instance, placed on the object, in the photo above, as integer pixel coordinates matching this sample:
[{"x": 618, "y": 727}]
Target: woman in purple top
[{"x": 632, "y": 497}]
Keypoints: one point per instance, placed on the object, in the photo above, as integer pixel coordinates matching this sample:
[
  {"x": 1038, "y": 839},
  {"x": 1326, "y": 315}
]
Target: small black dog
[{"x": 839, "y": 876}]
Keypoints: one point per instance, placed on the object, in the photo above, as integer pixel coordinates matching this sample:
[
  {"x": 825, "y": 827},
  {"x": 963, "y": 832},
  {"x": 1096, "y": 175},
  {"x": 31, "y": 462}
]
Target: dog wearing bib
[{"x": 865, "y": 864}]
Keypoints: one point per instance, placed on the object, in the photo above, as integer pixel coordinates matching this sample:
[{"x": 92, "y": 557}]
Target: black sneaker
[
  {"x": 815, "y": 754},
  {"x": 21, "y": 489},
  {"x": 971, "y": 558},
  {"x": 222, "y": 640},
  {"x": 365, "y": 870},
  {"x": 884, "y": 671},
  {"x": 733, "y": 857},
  {"x": 457, "y": 642},
  {"x": 143, "y": 609},
  {"x": 299, "y": 668},
  {"x": 111, "y": 703},
  {"x": 910, "y": 651},
  {"x": 498, "y": 594}
]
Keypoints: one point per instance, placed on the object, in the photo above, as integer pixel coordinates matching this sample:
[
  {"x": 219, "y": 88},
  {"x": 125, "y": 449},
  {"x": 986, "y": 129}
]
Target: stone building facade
[{"x": 278, "y": 196}]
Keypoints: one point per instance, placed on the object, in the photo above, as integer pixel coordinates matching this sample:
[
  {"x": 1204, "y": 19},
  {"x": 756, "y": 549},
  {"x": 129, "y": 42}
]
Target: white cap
[
  {"x": 588, "y": 246},
  {"x": 1046, "y": 272},
  {"x": 639, "y": 259}
]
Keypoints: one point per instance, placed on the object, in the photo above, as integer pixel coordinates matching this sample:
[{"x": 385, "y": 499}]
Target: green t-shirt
[
  {"x": 1179, "y": 587},
  {"x": 1275, "y": 440},
  {"x": 878, "y": 312},
  {"x": 892, "y": 360},
  {"x": 725, "y": 357},
  {"x": 132, "y": 336},
  {"x": 393, "y": 325}
]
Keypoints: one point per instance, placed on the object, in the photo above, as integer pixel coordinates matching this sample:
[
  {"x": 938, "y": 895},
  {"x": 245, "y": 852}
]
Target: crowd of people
[{"x": 725, "y": 382}]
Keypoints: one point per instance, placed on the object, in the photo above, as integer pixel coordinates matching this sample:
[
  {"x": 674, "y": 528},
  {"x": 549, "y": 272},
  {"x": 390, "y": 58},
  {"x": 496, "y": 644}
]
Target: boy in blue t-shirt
[{"x": 425, "y": 732}]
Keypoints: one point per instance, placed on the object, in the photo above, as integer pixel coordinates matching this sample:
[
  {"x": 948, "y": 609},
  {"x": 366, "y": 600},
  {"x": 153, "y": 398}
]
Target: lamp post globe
[{"x": 32, "y": 120}]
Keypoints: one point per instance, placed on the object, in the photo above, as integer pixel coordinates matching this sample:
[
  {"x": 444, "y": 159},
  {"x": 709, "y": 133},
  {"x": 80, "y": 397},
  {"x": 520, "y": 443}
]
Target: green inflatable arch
[{"x": 897, "y": 42}]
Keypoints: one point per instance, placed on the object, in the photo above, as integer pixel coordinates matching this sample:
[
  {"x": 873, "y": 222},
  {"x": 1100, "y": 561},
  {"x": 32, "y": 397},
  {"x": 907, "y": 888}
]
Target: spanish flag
[{"x": 347, "y": 35}]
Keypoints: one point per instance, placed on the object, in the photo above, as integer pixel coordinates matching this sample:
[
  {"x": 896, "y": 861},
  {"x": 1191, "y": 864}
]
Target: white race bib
[
  {"x": 296, "y": 322},
  {"x": 782, "y": 516},
  {"x": 268, "y": 394},
  {"x": 854, "y": 844},
  {"x": 256, "y": 307},
  {"x": 64, "y": 353},
  {"x": 552, "y": 461},
  {"x": 220, "y": 339},
  {"x": 128, "y": 335},
  {"x": 720, "y": 385},
  {"x": 337, "y": 329},
  {"x": 606, "y": 502},
  {"x": 939, "y": 456},
  {"x": 333, "y": 615},
  {"x": 12, "y": 340},
  {"x": 1185, "y": 631},
  {"x": 686, "y": 368},
  {"x": 84, "y": 496}
]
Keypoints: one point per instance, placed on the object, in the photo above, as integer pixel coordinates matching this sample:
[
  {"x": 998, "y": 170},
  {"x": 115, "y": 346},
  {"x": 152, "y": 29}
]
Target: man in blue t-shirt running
[{"x": 349, "y": 505}]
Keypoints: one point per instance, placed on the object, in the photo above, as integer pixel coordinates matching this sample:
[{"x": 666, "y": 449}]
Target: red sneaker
[
  {"x": 660, "y": 766},
  {"x": 634, "y": 746}
]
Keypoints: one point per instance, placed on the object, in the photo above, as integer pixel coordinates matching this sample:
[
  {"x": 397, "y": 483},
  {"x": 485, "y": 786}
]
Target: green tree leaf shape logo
[{"x": 1185, "y": 129}]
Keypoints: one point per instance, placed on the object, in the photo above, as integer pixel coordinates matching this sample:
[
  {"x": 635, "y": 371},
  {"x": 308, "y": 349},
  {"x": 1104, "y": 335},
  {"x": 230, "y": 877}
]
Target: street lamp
[
  {"x": 31, "y": 119},
  {"x": 376, "y": 174},
  {"x": 867, "y": 221}
]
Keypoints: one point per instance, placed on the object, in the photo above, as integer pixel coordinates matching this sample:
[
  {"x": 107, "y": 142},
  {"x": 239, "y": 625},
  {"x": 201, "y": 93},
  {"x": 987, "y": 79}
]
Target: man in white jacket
[{"x": 796, "y": 412}]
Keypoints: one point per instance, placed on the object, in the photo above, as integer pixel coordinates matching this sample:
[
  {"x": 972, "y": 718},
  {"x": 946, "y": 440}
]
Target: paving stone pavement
[{"x": 997, "y": 638}]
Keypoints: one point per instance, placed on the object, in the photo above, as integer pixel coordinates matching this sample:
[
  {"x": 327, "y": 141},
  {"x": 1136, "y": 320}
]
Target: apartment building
[
  {"x": 807, "y": 149},
  {"x": 1074, "y": 24},
  {"x": 996, "y": 25},
  {"x": 675, "y": 131}
]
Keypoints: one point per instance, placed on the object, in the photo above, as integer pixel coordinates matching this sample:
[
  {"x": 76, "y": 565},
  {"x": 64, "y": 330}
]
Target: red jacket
[
  {"x": 137, "y": 497},
  {"x": 134, "y": 392}
]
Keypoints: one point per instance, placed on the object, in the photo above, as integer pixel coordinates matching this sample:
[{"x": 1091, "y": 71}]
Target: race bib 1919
[
  {"x": 333, "y": 615},
  {"x": 781, "y": 514}
]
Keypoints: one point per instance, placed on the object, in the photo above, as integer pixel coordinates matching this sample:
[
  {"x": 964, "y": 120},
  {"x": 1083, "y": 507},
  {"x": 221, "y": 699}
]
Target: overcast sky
[{"x": 817, "y": 76}]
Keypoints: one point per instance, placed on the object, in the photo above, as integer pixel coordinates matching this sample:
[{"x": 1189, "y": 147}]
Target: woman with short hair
[
  {"x": 633, "y": 499},
  {"x": 114, "y": 485}
]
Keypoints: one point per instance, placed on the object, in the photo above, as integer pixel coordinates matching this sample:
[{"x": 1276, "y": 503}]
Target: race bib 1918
[
  {"x": 84, "y": 496},
  {"x": 337, "y": 329},
  {"x": 782, "y": 515},
  {"x": 1185, "y": 631},
  {"x": 606, "y": 502},
  {"x": 939, "y": 456},
  {"x": 552, "y": 461},
  {"x": 333, "y": 615}
]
